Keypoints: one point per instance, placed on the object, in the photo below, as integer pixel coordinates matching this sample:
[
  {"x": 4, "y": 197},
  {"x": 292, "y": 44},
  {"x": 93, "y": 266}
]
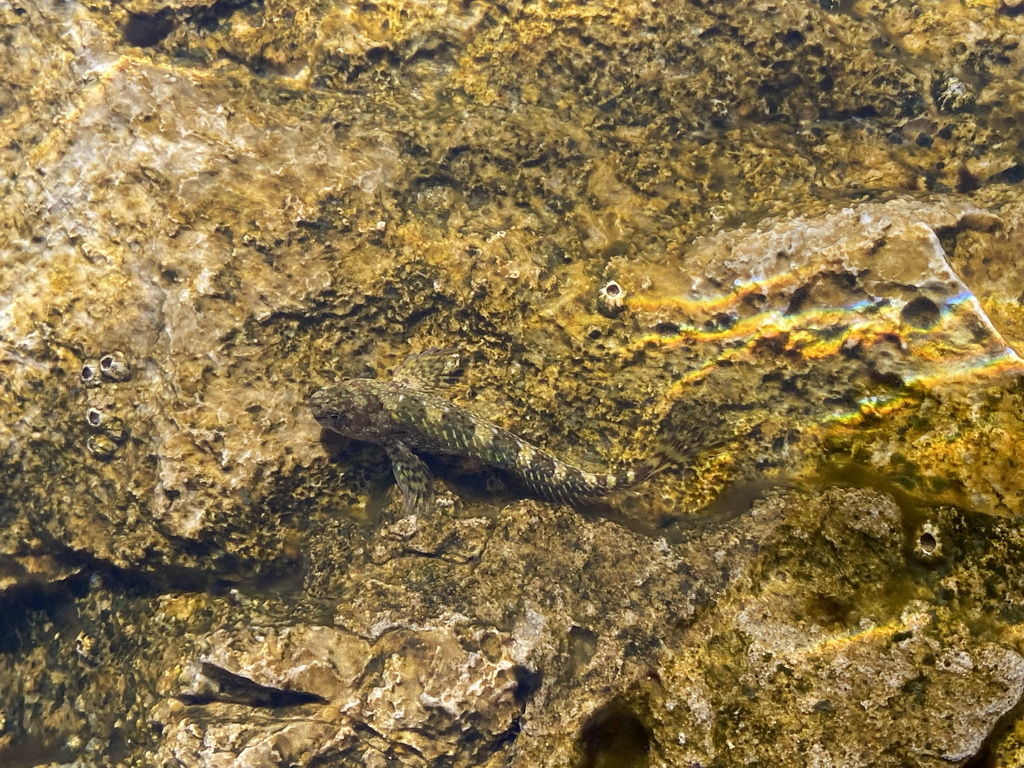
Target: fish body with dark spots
[{"x": 407, "y": 417}]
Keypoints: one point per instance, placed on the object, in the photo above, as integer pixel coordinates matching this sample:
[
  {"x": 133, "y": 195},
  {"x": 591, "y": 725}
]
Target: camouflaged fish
[{"x": 407, "y": 417}]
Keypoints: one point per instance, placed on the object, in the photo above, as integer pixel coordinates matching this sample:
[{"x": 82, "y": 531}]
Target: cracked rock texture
[{"x": 808, "y": 218}]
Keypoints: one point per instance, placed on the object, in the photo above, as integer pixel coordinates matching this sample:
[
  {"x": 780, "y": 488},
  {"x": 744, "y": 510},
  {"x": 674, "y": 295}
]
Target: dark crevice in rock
[
  {"x": 921, "y": 312},
  {"x": 1000, "y": 732},
  {"x": 148, "y": 29},
  {"x": 236, "y": 689},
  {"x": 1012, "y": 175},
  {"x": 23, "y": 606},
  {"x": 614, "y": 735},
  {"x": 528, "y": 682},
  {"x": 33, "y": 750},
  {"x": 209, "y": 17}
]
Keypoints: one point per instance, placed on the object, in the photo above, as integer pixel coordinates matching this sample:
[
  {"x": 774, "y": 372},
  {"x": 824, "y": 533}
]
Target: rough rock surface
[{"x": 789, "y": 234}]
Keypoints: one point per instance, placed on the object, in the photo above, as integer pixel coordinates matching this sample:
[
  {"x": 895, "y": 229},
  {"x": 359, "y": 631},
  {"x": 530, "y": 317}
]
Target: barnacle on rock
[
  {"x": 94, "y": 417},
  {"x": 113, "y": 428},
  {"x": 927, "y": 544},
  {"x": 951, "y": 94},
  {"x": 89, "y": 374},
  {"x": 611, "y": 299},
  {"x": 101, "y": 447},
  {"x": 115, "y": 368},
  {"x": 116, "y": 429}
]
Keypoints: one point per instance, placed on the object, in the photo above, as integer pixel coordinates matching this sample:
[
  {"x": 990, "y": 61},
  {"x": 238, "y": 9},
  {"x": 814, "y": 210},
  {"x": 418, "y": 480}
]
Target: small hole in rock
[
  {"x": 528, "y": 683},
  {"x": 922, "y": 312},
  {"x": 798, "y": 300},
  {"x": 582, "y": 647},
  {"x": 147, "y": 29},
  {"x": 614, "y": 737}
]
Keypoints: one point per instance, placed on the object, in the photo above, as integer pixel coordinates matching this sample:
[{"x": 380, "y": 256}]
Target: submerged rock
[
  {"x": 417, "y": 695},
  {"x": 783, "y": 235},
  {"x": 809, "y": 625}
]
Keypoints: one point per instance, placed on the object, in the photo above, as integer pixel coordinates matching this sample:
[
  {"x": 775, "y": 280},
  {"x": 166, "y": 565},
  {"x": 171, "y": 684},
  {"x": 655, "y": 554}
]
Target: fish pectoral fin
[
  {"x": 431, "y": 370},
  {"x": 413, "y": 478}
]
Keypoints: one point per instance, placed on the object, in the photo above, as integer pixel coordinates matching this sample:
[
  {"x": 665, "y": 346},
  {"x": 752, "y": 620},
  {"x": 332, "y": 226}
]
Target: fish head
[{"x": 352, "y": 408}]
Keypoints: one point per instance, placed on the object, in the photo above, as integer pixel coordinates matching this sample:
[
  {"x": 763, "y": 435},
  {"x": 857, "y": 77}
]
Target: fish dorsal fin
[{"x": 431, "y": 370}]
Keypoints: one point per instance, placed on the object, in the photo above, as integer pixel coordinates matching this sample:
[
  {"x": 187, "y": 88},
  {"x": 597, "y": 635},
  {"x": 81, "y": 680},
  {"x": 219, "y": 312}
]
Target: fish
[{"x": 408, "y": 416}]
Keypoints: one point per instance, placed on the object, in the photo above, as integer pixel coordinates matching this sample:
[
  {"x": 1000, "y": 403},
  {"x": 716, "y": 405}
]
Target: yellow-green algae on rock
[{"x": 811, "y": 211}]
